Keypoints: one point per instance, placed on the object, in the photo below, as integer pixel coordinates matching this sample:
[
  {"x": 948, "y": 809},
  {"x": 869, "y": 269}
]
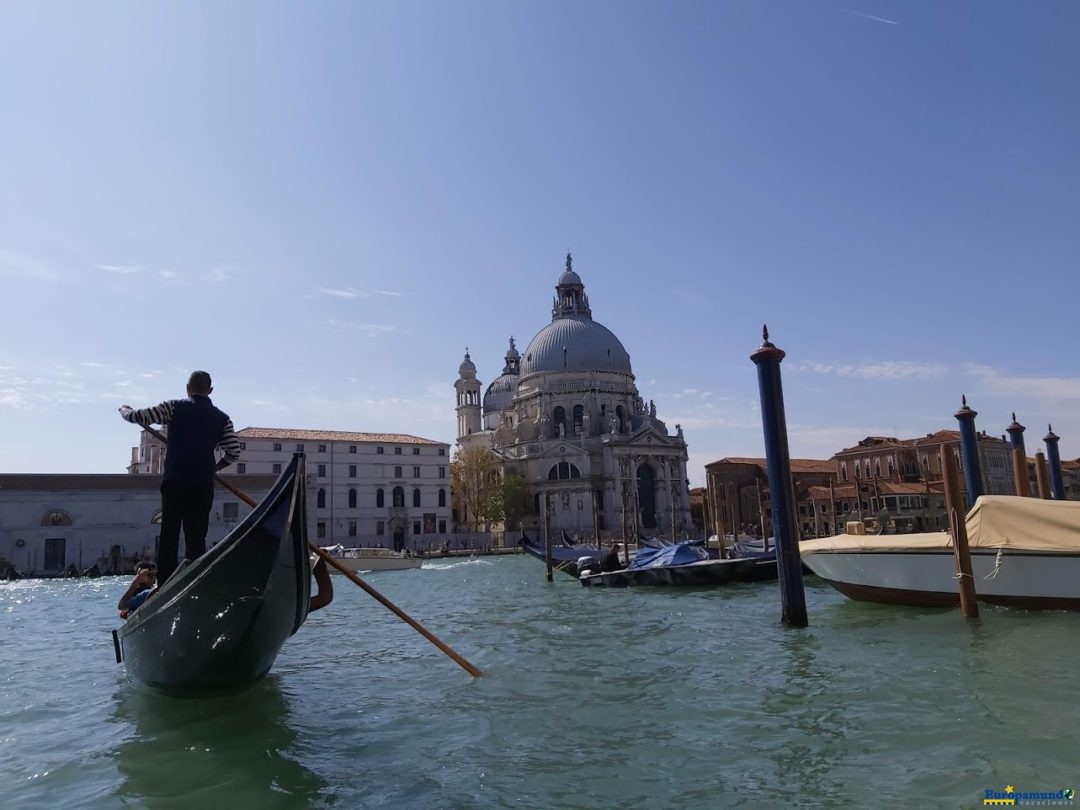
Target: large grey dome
[
  {"x": 500, "y": 394},
  {"x": 575, "y": 344}
]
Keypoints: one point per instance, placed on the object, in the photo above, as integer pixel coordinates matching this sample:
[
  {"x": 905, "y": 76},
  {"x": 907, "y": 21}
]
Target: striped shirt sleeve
[
  {"x": 157, "y": 415},
  {"x": 229, "y": 444}
]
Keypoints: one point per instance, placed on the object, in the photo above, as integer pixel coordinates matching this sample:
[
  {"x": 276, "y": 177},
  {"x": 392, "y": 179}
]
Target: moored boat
[
  {"x": 684, "y": 565},
  {"x": 372, "y": 559},
  {"x": 1025, "y": 552},
  {"x": 220, "y": 621},
  {"x": 565, "y": 556}
]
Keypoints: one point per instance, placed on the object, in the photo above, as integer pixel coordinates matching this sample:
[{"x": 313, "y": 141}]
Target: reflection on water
[{"x": 233, "y": 750}]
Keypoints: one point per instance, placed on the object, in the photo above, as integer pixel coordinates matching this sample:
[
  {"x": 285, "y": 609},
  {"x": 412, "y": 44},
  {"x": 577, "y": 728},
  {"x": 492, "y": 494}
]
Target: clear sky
[{"x": 324, "y": 203}]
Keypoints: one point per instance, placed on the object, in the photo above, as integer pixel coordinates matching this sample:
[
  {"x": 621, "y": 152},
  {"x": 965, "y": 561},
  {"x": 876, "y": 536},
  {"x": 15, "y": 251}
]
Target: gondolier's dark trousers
[{"x": 187, "y": 506}]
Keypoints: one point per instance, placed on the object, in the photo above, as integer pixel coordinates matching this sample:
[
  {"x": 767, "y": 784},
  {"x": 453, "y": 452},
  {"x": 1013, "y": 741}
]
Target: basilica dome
[
  {"x": 575, "y": 344},
  {"x": 500, "y": 394}
]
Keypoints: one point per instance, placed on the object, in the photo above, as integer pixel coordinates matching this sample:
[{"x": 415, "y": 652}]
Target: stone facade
[{"x": 567, "y": 416}]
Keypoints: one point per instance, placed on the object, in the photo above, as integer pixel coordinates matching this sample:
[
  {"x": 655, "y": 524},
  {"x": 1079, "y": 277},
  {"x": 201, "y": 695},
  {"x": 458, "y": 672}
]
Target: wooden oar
[{"x": 401, "y": 614}]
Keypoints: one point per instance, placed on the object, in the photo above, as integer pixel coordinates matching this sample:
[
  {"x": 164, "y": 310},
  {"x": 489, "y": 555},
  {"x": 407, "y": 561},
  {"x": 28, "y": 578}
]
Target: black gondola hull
[
  {"x": 220, "y": 621},
  {"x": 704, "y": 574}
]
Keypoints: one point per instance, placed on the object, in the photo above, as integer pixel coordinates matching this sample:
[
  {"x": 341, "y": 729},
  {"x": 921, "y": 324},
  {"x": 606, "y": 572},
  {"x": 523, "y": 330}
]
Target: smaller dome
[
  {"x": 569, "y": 277},
  {"x": 500, "y": 394},
  {"x": 467, "y": 369}
]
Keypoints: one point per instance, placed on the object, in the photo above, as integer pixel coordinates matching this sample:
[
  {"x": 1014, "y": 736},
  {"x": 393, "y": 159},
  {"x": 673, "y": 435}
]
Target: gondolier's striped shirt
[{"x": 162, "y": 414}]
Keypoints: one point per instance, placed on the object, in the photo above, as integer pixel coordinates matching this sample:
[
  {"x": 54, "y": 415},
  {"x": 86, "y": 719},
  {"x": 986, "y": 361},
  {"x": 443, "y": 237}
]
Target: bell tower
[{"x": 468, "y": 398}]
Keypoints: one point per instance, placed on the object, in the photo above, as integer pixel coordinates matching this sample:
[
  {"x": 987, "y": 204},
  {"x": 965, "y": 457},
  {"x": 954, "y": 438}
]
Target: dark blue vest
[{"x": 194, "y": 431}]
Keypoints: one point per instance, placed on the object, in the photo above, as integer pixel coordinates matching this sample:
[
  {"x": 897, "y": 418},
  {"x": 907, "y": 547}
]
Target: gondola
[
  {"x": 219, "y": 622},
  {"x": 564, "y": 556},
  {"x": 685, "y": 565}
]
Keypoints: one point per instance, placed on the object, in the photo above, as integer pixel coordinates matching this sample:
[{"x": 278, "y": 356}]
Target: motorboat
[
  {"x": 372, "y": 559},
  {"x": 1025, "y": 552}
]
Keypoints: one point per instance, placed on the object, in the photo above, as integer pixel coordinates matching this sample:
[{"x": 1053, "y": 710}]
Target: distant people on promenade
[{"x": 196, "y": 429}]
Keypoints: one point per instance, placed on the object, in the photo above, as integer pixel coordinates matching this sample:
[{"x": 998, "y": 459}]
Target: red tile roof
[
  {"x": 332, "y": 436},
  {"x": 798, "y": 465}
]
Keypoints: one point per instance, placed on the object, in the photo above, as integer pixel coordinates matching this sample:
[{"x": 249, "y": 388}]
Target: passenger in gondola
[
  {"x": 326, "y": 588},
  {"x": 611, "y": 560},
  {"x": 140, "y": 588}
]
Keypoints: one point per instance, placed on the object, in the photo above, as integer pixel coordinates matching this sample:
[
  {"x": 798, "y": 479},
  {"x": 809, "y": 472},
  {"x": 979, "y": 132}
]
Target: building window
[
  {"x": 562, "y": 471},
  {"x": 416, "y": 497},
  {"x": 866, "y": 468},
  {"x": 397, "y": 472},
  {"x": 322, "y": 448},
  {"x": 877, "y": 468},
  {"x": 241, "y": 468},
  {"x": 416, "y": 451},
  {"x": 378, "y": 451},
  {"x": 442, "y": 527},
  {"x": 352, "y": 498},
  {"x": 397, "y": 451},
  {"x": 416, "y": 527},
  {"x": 320, "y": 500},
  {"x": 320, "y": 528},
  {"x": 442, "y": 472},
  {"x": 352, "y": 528},
  {"x": 352, "y": 448},
  {"x": 230, "y": 510},
  {"x": 277, "y": 469},
  {"x": 243, "y": 445},
  {"x": 352, "y": 471},
  {"x": 399, "y": 497},
  {"x": 380, "y": 527},
  {"x": 379, "y": 501},
  {"x": 415, "y": 472},
  {"x": 56, "y": 518},
  {"x": 322, "y": 471},
  {"x": 442, "y": 497},
  {"x": 299, "y": 448},
  {"x": 442, "y": 451},
  {"x": 277, "y": 447},
  {"x": 579, "y": 418}
]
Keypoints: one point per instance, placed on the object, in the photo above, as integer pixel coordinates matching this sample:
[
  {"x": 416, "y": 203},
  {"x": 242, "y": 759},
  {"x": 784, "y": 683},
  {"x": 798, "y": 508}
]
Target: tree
[
  {"x": 516, "y": 501},
  {"x": 475, "y": 483}
]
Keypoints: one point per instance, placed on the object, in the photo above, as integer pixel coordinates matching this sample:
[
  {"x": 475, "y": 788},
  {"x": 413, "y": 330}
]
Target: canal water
[{"x": 592, "y": 698}]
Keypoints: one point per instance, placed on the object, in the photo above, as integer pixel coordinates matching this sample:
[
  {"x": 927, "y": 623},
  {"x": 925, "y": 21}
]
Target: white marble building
[
  {"x": 365, "y": 489},
  {"x": 567, "y": 416}
]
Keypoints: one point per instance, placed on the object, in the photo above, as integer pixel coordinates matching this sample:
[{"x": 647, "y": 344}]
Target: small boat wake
[{"x": 439, "y": 566}]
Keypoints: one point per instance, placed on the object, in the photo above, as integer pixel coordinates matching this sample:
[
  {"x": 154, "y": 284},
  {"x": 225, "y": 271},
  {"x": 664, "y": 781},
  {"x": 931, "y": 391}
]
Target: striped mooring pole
[{"x": 1053, "y": 458}]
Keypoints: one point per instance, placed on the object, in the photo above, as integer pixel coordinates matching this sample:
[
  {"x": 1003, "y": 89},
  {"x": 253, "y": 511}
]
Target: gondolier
[{"x": 196, "y": 429}]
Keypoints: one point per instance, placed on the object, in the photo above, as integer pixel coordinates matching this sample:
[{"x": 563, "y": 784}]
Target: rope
[{"x": 997, "y": 564}]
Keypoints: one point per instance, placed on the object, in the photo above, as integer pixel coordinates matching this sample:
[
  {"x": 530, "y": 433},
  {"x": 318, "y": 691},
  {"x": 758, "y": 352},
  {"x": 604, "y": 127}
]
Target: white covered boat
[
  {"x": 1025, "y": 552},
  {"x": 372, "y": 559}
]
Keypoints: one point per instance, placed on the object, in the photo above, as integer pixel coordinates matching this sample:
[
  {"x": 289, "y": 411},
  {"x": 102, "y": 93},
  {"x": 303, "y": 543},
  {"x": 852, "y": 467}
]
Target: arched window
[
  {"x": 399, "y": 497},
  {"x": 416, "y": 497},
  {"x": 352, "y": 498},
  {"x": 442, "y": 497},
  {"x": 877, "y": 468},
  {"x": 843, "y": 471},
  {"x": 560, "y": 419},
  {"x": 320, "y": 500},
  {"x": 619, "y": 416},
  {"x": 56, "y": 518},
  {"x": 562, "y": 471},
  {"x": 579, "y": 417},
  {"x": 379, "y": 500}
]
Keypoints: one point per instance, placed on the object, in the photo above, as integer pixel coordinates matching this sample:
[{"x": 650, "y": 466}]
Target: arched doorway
[
  {"x": 399, "y": 539},
  {"x": 646, "y": 483}
]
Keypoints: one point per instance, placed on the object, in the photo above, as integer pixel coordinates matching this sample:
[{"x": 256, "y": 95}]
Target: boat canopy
[
  {"x": 996, "y": 521},
  {"x": 667, "y": 556}
]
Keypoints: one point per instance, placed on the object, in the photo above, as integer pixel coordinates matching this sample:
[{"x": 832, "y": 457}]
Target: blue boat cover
[{"x": 667, "y": 556}]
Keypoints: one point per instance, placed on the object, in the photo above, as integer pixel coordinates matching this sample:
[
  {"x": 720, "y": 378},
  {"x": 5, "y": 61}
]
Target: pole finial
[
  {"x": 765, "y": 332},
  {"x": 963, "y": 400},
  {"x": 1014, "y": 415}
]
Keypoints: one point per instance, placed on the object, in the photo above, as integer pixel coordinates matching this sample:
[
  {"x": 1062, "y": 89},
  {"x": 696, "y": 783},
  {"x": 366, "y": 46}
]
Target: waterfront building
[
  {"x": 50, "y": 522},
  {"x": 567, "y": 417},
  {"x": 365, "y": 489}
]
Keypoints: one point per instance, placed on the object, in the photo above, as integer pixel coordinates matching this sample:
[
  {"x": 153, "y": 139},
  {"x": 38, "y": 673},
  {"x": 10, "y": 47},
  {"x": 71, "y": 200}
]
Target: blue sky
[{"x": 323, "y": 203}]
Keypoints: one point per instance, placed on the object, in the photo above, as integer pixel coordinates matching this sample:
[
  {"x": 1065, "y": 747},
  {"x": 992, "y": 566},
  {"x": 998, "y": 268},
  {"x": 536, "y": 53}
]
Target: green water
[{"x": 593, "y": 698}]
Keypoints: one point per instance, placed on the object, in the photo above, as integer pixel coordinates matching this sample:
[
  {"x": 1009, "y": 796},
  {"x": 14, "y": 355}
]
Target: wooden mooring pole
[
  {"x": 547, "y": 535},
  {"x": 1053, "y": 459},
  {"x": 767, "y": 358},
  {"x": 1041, "y": 475},
  {"x": 957, "y": 514}
]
